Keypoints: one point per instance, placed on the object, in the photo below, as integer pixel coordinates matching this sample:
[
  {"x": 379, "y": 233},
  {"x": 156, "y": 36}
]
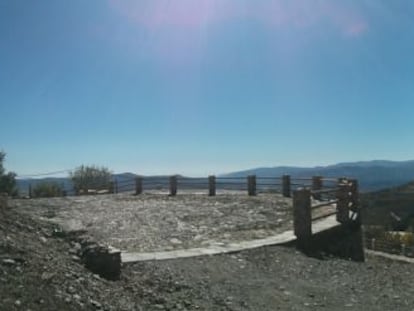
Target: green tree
[
  {"x": 48, "y": 190},
  {"x": 7, "y": 181},
  {"x": 86, "y": 178}
]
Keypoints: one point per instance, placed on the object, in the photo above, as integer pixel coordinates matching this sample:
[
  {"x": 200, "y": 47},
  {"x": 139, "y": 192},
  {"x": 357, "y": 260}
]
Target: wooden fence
[
  {"x": 313, "y": 198},
  {"x": 212, "y": 185},
  {"x": 251, "y": 184},
  {"x": 312, "y": 204}
]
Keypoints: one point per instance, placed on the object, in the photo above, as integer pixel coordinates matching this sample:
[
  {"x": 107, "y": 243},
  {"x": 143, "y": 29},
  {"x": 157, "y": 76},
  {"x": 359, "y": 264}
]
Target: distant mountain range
[{"x": 372, "y": 175}]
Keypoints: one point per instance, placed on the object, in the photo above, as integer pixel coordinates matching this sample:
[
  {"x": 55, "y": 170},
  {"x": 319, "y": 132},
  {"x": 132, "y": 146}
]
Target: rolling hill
[
  {"x": 372, "y": 175},
  {"x": 392, "y": 208}
]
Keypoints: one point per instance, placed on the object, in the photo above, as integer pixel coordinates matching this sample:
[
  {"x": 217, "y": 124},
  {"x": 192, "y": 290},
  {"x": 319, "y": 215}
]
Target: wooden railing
[
  {"x": 252, "y": 184},
  {"x": 343, "y": 201}
]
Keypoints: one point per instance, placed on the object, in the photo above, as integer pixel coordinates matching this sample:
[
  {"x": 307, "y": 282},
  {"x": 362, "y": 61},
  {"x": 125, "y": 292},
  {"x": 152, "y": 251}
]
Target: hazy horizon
[{"x": 64, "y": 173}]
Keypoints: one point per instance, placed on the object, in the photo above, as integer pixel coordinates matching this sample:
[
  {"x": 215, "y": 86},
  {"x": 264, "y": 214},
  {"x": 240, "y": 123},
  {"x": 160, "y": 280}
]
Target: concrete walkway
[{"x": 285, "y": 237}]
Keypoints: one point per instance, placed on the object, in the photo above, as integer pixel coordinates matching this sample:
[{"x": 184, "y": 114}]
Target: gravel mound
[{"x": 158, "y": 222}]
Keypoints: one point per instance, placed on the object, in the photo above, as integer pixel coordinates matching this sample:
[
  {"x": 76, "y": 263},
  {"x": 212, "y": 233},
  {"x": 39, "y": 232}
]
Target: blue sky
[{"x": 204, "y": 87}]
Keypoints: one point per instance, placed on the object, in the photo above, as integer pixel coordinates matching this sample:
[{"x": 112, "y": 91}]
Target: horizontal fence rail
[{"x": 322, "y": 189}]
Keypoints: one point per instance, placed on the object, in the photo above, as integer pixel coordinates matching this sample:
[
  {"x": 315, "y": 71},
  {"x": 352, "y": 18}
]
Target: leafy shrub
[
  {"x": 388, "y": 241},
  {"x": 398, "y": 238},
  {"x": 392, "y": 242},
  {"x": 7, "y": 181},
  {"x": 48, "y": 190},
  {"x": 87, "y": 178},
  {"x": 407, "y": 239}
]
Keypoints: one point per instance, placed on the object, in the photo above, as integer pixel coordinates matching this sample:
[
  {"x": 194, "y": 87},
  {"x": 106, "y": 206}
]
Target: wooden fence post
[
  {"x": 251, "y": 185},
  {"x": 138, "y": 185},
  {"x": 286, "y": 186},
  {"x": 211, "y": 185},
  {"x": 173, "y": 185},
  {"x": 354, "y": 201},
  {"x": 112, "y": 187},
  {"x": 317, "y": 184},
  {"x": 302, "y": 217},
  {"x": 342, "y": 207},
  {"x": 354, "y": 189},
  {"x": 116, "y": 186}
]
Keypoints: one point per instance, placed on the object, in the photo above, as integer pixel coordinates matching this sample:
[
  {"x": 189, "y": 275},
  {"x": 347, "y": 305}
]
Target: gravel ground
[
  {"x": 278, "y": 278},
  {"x": 39, "y": 272},
  {"x": 155, "y": 222}
]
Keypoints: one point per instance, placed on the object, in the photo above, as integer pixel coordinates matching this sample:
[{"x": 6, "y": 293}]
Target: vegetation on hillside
[
  {"x": 391, "y": 208},
  {"x": 7, "y": 180},
  {"x": 48, "y": 190},
  {"x": 388, "y": 218},
  {"x": 86, "y": 178}
]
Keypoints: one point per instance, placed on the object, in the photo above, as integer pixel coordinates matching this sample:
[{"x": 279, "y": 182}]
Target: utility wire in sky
[{"x": 45, "y": 174}]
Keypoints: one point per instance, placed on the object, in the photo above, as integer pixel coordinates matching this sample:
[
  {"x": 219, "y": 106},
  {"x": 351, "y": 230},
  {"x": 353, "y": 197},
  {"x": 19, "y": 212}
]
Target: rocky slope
[{"x": 40, "y": 271}]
